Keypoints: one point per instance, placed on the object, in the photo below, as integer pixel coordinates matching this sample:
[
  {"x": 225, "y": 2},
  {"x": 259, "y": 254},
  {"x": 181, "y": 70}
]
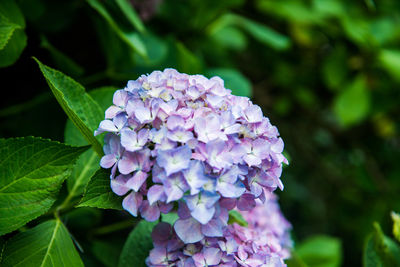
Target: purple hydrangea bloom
[
  {"x": 264, "y": 242},
  {"x": 177, "y": 137}
]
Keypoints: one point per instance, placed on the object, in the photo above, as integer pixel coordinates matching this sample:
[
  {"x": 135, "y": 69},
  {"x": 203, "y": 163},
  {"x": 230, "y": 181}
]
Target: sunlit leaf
[
  {"x": 131, "y": 38},
  {"x": 258, "y": 31},
  {"x": 130, "y": 13},
  {"x": 89, "y": 162},
  {"x": 31, "y": 173},
  {"x": 320, "y": 251},
  {"x": 390, "y": 61},
  {"x": 7, "y": 29},
  {"x": 380, "y": 250},
  {"x": 352, "y": 104},
  {"x": 12, "y": 35},
  {"x": 396, "y": 225},
  {"x": 98, "y": 192},
  {"x": 230, "y": 37},
  {"x": 236, "y": 217},
  {"x": 13, "y": 49},
  {"x": 48, "y": 244},
  {"x": 80, "y": 107}
]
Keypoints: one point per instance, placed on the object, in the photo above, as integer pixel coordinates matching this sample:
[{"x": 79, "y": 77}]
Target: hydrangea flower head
[
  {"x": 173, "y": 137},
  {"x": 264, "y": 242}
]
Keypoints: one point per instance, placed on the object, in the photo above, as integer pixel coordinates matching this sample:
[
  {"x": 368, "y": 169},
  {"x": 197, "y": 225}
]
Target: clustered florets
[
  {"x": 264, "y": 242},
  {"x": 174, "y": 137}
]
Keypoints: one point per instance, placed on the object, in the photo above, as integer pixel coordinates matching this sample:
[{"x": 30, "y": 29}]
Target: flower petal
[{"x": 189, "y": 230}]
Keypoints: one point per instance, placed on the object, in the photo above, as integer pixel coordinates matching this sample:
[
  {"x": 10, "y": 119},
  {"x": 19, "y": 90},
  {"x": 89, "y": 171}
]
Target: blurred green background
[{"x": 326, "y": 72}]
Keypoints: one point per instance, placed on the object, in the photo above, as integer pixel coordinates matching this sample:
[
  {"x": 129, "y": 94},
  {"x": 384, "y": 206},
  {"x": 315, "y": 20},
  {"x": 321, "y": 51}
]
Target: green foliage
[
  {"x": 396, "y": 225},
  {"x": 234, "y": 80},
  {"x": 236, "y": 217},
  {"x": 258, "y": 31},
  {"x": 390, "y": 60},
  {"x": 138, "y": 245},
  {"x": 88, "y": 162},
  {"x": 86, "y": 165},
  {"x": 48, "y": 244},
  {"x": 380, "y": 250},
  {"x": 12, "y": 35},
  {"x": 7, "y": 28},
  {"x": 130, "y": 14},
  {"x": 317, "y": 251},
  {"x": 345, "y": 108},
  {"x": 32, "y": 171},
  {"x": 98, "y": 193},
  {"x": 169, "y": 218},
  {"x": 131, "y": 38},
  {"x": 83, "y": 111}
]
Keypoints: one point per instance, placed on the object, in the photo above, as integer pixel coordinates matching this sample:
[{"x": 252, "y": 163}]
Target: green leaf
[
  {"x": 169, "y": 217},
  {"x": 357, "y": 30},
  {"x": 187, "y": 61},
  {"x": 86, "y": 165},
  {"x": 295, "y": 261},
  {"x": 390, "y": 61},
  {"x": 396, "y": 225},
  {"x": 291, "y": 10},
  {"x": 236, "y": 217},
  {"x": 13, "y": 49},
  {"x": 352, "y": 105},
  {"x": 230, "y": 37},
  {"x": 10, "y": 9},
  {"x": 335, "y": 69},
  {"x": 370, "y": 256},
  {"x": 130, "y": 13},
  {"x": 329, "y": 7},
  {"x": 234, "y": 80},
  {"x": 157, "y": 51},
  {"x": 98, "y": 193},
  {"x": 118, "y": 55},
  {"x": 138, "y": 245},
  {"x": 258, "y": 31},
  {"x": 80, "y": 107},
  {"x": 320, "y": 251},
  {"x": 388, "y": 250},
  {"x": 12, "y": 35},
  {"x": 48, "y": 244},
  {"x": 380, "y": 250},
  {"x": 31, "y": 173},
  {"x": 88, "y": 162},
  {"x": 264, "y": 34},
  {"x": 7, "y": 29},
  {"x": 131, "y": 38},
  {"x": 103, "y": 96}
]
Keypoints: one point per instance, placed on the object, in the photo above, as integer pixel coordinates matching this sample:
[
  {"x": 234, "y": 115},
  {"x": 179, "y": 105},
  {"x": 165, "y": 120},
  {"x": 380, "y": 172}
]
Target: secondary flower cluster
[
  {"x": 264, "y": 242},
  {"x": 174, "y": 137}
]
